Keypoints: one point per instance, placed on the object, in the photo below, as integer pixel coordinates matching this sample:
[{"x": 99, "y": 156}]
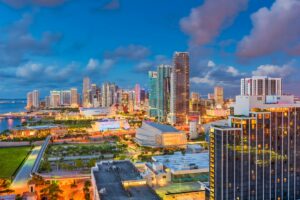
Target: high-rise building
[
  {"x": 261, "y": 85},
  {"x": 65, "y": 98},
  {"x": 163, "y": 91},
  {"x": 180, "y": 92},
  {"x": 55, "y": 98},
  {"x": 33, "y": 99},
  {"x": 86, "y": 92},
  {"x": 109, "y": 96},
  {"x": 219, "y": 95},
  {"x": 47, "y": 101},
  {"x": 137, "y": 90},
  {"x": 74, "y": 97},
  {"x": 29, "y": 101},
  {"x": 152, "y": 76},
  {"x": 256, "y": 154}
]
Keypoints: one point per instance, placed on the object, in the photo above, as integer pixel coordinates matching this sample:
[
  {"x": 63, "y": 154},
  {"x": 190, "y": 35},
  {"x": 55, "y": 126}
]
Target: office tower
[
  {"x": 55, "y": 98},
  {"x": 29, "y": 101},
  {"x": 261, "y": 85},
  {"x": 35, "y": 98},
  {"x": 137, "y": 90},
  {"x": 65, "y": 98},
  {"x": 86, "y": 92},
  {"x": 47, "y": 101},
  {"x": 218, "y": 95},
  {"x": 108, "y": 94},
  {"x": 152, "y": 76},
  {"x": 256, "y": 154},
  {"x": 74, "y": 97},
  {"x": 143, "y": 95},
  {"x": 163, "y": 91},
  {"x": 181, "y": 87}
]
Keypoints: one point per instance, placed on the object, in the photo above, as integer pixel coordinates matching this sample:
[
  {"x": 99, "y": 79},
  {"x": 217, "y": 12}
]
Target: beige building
[{"x": 157, "y": 135}]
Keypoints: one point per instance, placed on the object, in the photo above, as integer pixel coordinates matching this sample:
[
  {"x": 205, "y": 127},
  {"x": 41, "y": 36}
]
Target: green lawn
[{"x": 10, "y": 159}]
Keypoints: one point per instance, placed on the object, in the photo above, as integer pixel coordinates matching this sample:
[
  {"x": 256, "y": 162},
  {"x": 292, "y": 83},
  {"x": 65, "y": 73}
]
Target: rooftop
[
  {"x": 162, "y": 127},
  {"x": 178, "y": 162},
  {"x": 109, "y": 178}
]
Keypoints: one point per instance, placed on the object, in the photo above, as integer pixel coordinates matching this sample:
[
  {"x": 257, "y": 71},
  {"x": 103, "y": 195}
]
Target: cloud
[
  {"x": 95, "y": 65},
  {"x": 211, "y": 63},
  {"x": 273, "y": 70},
  {"x": 130, "y": 52},
  {"x": 274, "y": 30},
  {"x": 222, "y": 75},
  {"x": 23, "y": 3},
  {"x": 148, "y": 65},
  {"x": 112, "y": 5},
  {"x": 206, "y": 79},
  {"x": 232, "y": 71},
  {"x": 37, "y": 73},
  {"x": 18, "y": 43},
  {"x": 206, "y": 21}
]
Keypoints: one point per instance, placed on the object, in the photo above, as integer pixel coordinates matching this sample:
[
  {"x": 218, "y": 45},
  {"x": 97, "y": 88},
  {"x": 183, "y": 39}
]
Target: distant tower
[
  {"x": 181, "y": 87},
  {"x": 74, "y": 97},
  {"x": 219, "y": 95},
  {"x": 29, "y": 101},
  {"x": 163, "y": 91},
  {"x": 36, "y": 99},
  {"x": 137, "y": 90},
  {"x": 86, "y": 92},
  {"x": 152, "y": 77}
]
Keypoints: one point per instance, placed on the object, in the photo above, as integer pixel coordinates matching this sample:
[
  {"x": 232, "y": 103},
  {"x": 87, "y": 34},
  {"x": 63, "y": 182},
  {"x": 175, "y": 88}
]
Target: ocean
[{"x": 11, "y": 105}]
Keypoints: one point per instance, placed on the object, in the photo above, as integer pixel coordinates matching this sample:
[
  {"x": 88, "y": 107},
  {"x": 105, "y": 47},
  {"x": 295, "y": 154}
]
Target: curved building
[{"x": 157, "y": 135}]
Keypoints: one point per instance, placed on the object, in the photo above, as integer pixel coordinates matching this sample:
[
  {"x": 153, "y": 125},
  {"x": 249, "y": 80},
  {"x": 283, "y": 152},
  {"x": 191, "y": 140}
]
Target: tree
[
  {"x": 51, "y": 192},
  {"x": 78, "y": 163},
  {"x": 37, "y": 180},
  {"x": 86, "y": 190}
]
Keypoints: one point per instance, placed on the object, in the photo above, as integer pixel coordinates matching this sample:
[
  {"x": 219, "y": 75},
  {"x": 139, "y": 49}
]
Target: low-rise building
[
  {"x": 119, "y": 180},
  {"x": 176, "y": 168},
  {"x": 157, "y": 135}
]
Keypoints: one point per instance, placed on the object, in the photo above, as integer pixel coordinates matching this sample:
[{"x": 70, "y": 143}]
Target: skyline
[{"x": 44, "y": 46}]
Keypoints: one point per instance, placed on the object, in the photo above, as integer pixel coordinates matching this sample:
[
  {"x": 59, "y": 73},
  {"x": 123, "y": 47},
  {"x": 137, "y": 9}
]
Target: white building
[
  {"x": 160, "y": 136},
  {"x": 261, "y": 85}
]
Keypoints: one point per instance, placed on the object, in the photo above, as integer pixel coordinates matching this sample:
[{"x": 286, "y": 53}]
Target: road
[{"x": 20, "y": 181}]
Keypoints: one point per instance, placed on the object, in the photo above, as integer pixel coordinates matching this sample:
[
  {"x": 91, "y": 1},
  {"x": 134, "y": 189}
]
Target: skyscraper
[
  {"x": 29, "y": 101},
  {"x": 137, "y": 90},
  {"x": 65, "y": 98},
  {"x": 219, "y": 95},
  {"x": 36, "y": 99},
  {"x": 152, "y": 76},
  {"x": 180, "y": 91},
  {"x": 256, "y": 154},
  {"x": 86, "y": 92},
  {"x": 74, "y": 97},
  {"x": 163, "y": 91},
  {"x": 55, "y": 98},
  {"x": 261, "y": 85}
]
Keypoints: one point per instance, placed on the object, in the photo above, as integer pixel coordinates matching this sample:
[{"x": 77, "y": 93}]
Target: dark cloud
[
  {"x": 206, "y": 21},
  {"x": 23, "y": 3},
  {"x": 17, "y": 43},
  {"x": 274, "y": 30}
]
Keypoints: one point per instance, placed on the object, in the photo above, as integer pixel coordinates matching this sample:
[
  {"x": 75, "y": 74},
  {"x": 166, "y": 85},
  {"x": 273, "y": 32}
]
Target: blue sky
[{"x": 53, "y": 44}]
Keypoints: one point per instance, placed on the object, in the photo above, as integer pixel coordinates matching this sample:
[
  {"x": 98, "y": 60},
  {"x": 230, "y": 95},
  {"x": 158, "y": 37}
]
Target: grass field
[{"x": 10, "y": 159}]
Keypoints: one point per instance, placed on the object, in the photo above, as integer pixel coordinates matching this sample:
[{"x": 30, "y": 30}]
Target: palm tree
[{"x": 51, "y": 192}]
